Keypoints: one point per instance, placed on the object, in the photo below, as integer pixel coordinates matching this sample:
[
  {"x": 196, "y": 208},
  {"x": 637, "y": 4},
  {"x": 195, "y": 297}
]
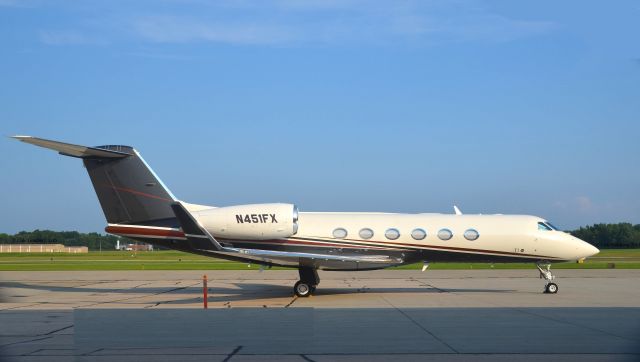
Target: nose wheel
[
  {"x": 309, "y": 279},
  {"x": 551, "y": 288},
  {"x": 545, "y": 272}
]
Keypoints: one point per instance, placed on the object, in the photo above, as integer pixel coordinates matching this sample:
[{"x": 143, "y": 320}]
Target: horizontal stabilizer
[{"x": 68, "y": 149}]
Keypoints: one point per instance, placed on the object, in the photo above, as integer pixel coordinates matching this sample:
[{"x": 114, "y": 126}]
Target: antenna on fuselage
[{"x": 457, "y": 211}]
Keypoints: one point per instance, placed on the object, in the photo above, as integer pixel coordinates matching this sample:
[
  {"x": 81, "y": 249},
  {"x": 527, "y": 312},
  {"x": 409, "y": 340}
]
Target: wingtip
[{"x": 20, "y": 137}]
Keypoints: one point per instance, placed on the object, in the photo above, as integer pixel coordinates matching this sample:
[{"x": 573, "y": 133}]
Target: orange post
[{"x": 204, "y": 291}]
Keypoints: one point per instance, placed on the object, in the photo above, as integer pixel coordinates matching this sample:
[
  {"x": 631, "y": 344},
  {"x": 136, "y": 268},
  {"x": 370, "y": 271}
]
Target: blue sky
[{"x": 338, "y": 105}]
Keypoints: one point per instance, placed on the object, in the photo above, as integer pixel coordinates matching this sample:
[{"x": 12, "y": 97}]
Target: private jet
[{"x": 138, "y": 205}]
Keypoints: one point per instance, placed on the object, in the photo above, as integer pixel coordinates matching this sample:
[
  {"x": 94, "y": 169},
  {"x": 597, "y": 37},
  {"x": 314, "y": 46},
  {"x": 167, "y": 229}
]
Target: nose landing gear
[
  {"x": 545, "y": 272},
  {"x": 551, "y": 288},
  {"x": 308, "y": 282}
]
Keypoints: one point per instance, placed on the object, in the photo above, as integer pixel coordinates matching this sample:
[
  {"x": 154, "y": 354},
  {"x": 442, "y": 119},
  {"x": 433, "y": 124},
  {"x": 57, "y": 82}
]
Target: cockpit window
[
  {"x": 543, "y": 226},
  {"x": 551, "y": 226}
]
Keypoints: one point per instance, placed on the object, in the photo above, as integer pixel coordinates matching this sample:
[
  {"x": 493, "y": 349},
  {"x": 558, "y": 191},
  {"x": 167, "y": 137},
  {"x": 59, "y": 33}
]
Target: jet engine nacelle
[{"x": 251, "y": 222}]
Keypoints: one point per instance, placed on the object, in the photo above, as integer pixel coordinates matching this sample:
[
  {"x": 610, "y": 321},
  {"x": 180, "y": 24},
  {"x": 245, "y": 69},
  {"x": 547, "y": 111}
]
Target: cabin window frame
[
  {"x": 372, "y": 233},
  {"x": 420, "y": 230},
  {"x": 338, "y": 229},
  {"x": 391, "y": 230},
  {"x": 474, "y": 231},
  {"x": 445, "y": 230}
]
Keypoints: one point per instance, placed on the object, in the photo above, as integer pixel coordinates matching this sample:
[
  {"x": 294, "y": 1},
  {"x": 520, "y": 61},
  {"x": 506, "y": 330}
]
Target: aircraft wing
[{"x": 197, "y": 234}]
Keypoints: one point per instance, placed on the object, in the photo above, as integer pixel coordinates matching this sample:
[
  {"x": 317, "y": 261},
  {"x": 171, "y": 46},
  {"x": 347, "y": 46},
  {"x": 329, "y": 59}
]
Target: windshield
[
  {"x": 551, "y": 226},
  {"x": 544, "y": 227}
]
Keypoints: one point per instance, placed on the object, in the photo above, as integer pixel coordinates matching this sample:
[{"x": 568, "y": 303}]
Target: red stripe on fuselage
[
  {"x": 453, "y": 248},
  {"x": 131, "y": 230},
  {"x": 143, "y": 231},
  {"x": 306, "y": 243}
]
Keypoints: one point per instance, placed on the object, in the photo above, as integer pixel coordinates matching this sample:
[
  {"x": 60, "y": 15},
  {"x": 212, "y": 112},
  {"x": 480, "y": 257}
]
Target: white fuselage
[
  {"x": 513, "y": 235},
  {"x": 499, "y": 238}
]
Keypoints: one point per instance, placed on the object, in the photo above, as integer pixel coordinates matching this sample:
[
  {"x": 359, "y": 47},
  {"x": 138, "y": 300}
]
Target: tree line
[
  {"x": 621, "y": 235},
  {"x": 93, "y": 241}
]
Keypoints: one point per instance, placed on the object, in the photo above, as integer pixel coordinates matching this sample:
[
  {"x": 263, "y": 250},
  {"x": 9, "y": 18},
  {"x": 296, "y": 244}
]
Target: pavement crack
[
  {"x": 20, "y": 306},
  {"x": 306, "y": 358},
  {"x": 291, "y": 302},
  {"x": 41, "y": 334},
  {"x": 233, "y": 353},
  {"x": 141, "y": 296},
  {"x": 175, "y": 289},
  {"x": 92, "y": 352},
  {"x": 32, "y": 352},
  {"x": 141, "y": 285},
  {"x": 421, "y": 327},
  {"x": 424, "y": 284},
  {"x": 21, "y": 342},
  {"x": 57, "y": 330}
]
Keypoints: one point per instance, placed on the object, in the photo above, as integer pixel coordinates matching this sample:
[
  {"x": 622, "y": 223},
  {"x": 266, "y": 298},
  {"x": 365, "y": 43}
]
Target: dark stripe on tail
[{"x": 129, "y": 191}]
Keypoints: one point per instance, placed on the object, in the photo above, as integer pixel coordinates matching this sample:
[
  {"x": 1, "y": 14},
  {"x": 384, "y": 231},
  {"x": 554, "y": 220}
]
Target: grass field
[{"x": 173, "y": 260}]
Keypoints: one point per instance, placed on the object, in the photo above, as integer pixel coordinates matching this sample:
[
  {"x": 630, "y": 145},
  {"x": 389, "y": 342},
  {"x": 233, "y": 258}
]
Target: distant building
[
  {"x": 42, "y": 248},
  {"x": 134, "y": 247},
  {"x": 140, "y": 247}
]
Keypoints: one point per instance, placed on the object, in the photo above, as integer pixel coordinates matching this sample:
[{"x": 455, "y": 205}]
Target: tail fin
[{"x": 127, "y": 188}]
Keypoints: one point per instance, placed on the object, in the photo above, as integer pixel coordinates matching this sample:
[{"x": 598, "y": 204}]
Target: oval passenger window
[
  {"x": 418, "y": 234},
  {"x": 471, "y": 234},
  {"x": 445, "y": 234},
  {"x": 392, "y": 234},
  {"x": 366, "y": 233},
  {"x": 340, "y": 233}
]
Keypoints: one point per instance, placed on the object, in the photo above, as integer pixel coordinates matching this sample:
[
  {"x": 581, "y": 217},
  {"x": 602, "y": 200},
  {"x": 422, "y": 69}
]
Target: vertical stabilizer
[{"x": 127, "y": 188}]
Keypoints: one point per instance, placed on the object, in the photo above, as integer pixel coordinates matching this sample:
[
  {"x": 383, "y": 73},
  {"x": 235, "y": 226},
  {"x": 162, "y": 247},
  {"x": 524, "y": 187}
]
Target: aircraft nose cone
[
  {"x": 592, "y": 250},
  {"x": 588, "y": 250}
]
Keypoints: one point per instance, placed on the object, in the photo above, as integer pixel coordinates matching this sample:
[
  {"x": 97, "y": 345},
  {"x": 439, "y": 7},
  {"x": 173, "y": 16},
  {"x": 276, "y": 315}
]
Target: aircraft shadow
[{"x": 239, "y": 291}]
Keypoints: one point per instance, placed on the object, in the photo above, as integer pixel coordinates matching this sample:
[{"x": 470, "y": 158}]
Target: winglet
[
  {"x": 192, "y": 229},
  {"x": 457, "y": 211}
]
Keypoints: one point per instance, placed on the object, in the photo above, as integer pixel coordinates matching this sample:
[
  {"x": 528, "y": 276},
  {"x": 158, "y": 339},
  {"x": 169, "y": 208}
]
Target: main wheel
[
  {"x": 551, "y": 288},
  {"x": 302, "y": 289}
]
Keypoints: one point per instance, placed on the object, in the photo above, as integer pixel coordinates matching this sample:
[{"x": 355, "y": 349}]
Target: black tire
[
  {"x": 551, "y": 288},
  {"x": 313, "y": 289},
  {"x": 302, "y": 289}
]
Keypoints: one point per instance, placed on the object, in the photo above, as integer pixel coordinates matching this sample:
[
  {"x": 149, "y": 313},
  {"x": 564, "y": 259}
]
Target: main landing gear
[
  {"x": 308, "y": 282},
  {"x": 545, "y": 272}
]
